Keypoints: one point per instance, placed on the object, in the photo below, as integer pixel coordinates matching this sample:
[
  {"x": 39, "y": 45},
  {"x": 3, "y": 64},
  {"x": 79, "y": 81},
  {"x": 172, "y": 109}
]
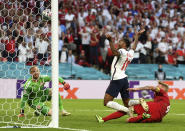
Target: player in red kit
[{"x": 152, "y": 111}]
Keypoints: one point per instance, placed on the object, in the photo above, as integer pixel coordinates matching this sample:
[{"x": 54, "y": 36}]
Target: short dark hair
[{"x": 127, "y": 42}]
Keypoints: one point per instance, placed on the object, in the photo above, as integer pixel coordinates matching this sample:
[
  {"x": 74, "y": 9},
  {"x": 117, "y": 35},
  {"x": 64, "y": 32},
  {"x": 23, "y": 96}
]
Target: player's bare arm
[
  {"x": 143, "y": 88},
  {"x": 115, "y": 52},
  {"x": 136, "y": 38}
]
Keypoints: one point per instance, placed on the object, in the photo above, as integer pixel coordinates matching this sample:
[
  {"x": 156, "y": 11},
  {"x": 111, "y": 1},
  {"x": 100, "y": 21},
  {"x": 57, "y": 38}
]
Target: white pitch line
[{"x": 38, "y": 126}]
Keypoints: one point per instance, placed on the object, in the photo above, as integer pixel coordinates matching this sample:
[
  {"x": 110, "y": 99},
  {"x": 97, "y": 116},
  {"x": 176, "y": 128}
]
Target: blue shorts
[{"x": 117, "y": 86}]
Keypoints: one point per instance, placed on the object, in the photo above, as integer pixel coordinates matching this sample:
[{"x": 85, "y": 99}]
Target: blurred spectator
[
  {"x": 70, "y": 57},
  {"x": 86, "y": 37},
  {"x": 69, "y": 17},
  {"x": 42, "y": 46},
  {"x": 94, "y": 49},
  {"x": 148, "y": 48},
  {"x": 22, "y": 52},
  {"x": 69, "y": 40},
  {"x": 60, "y": 45},
  {"x": 180, "y": 52},
  {"x": 82, "y": 59},
  {"x": 30, "y": 54},
  {"x": 162, "y": 51},
  {"x": 10, "y": 48},
  {"x": 160, "y": 74},
  {"x": 181, "y": 78},
  {"x": 63, "y": 58},
  {"x": 170, "y": 58}
]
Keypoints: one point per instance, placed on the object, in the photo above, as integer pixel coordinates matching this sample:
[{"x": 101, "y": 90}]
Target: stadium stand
[
  {"x": 134, "y": 71},
  {"x": 83, "y": 21}
]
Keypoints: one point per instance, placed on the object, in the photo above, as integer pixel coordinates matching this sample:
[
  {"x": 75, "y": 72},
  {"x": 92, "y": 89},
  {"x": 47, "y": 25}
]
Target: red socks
[{"x": 114, "y": 115}]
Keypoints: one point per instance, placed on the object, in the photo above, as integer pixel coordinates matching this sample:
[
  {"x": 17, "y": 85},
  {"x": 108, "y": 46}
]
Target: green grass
[{"x": 83, "y": 117}]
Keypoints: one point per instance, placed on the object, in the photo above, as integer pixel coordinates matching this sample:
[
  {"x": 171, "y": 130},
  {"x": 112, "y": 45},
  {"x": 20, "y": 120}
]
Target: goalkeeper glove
[
  {"x": 66, "y": 85},
  {"x": 146, "y": 116}
]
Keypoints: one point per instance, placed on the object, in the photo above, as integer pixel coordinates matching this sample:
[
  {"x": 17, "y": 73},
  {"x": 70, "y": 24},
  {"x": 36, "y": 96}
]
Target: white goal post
[
  {"x": 27, "y": 30},
  {"x": 55, "y": 67}
]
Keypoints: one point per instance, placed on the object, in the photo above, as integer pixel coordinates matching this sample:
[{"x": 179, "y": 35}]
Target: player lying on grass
[
  {"x": 152, "y": 111},
  {"x": 35, "y": 94}
]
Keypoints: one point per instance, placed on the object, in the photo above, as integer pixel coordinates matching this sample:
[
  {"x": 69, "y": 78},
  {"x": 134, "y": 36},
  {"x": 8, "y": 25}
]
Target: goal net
[{"x": 25, "y": 40}]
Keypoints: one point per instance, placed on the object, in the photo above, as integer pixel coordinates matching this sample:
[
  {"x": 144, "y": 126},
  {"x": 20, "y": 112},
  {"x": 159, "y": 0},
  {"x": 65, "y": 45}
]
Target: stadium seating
[
  {"x": 134, "y": 71},
  {"x": 21, "y": 71},
  {"x": 146, "y": 71}
]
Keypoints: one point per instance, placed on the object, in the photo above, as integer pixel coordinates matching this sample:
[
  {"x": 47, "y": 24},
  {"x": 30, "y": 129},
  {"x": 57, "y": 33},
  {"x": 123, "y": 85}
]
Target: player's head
[
  {"x": 164, "y": 86},
  {"x": 35, "y": 72},
  {"x": 124, "y": 43}
]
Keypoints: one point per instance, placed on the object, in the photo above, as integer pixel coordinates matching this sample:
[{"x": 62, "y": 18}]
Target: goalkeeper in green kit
[{"x": 35, "y": 94}]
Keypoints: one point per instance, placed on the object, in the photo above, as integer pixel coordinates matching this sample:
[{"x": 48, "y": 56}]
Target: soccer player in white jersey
[{"x": 119, "y": 82}]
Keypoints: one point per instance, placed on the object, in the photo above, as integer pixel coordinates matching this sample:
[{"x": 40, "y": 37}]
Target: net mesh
[{"x": 25, "y": 40}]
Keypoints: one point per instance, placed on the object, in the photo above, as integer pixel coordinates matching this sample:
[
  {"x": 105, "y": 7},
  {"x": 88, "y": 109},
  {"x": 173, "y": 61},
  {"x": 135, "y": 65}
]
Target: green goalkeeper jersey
[{"x": 34, "y": 90}]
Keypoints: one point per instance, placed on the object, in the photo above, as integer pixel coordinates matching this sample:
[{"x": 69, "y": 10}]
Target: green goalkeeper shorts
[{"x": 36, "y": 104}]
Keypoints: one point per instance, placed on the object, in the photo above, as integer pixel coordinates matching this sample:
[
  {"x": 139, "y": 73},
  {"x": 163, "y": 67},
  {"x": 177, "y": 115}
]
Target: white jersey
[{"x": 120, "y": 64}]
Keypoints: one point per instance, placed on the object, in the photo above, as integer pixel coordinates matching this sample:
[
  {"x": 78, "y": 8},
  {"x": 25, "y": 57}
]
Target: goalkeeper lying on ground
[{"x": 35, "y": 94}]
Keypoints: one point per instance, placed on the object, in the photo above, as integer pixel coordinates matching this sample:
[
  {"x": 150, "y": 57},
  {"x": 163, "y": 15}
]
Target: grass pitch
[{"x": 83, "y": 117}]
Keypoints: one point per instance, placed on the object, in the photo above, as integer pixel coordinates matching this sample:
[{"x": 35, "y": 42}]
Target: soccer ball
[{"x": 46, "y": 14}]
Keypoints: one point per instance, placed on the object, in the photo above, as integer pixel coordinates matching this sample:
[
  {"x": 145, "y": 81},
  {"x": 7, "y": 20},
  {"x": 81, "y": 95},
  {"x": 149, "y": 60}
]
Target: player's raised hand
[
  {"x": 66, "y": 86},
  {"x": 109, "y": 37}
]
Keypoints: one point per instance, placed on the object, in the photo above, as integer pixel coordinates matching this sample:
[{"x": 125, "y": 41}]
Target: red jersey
[{"x": 157, "y": 108}]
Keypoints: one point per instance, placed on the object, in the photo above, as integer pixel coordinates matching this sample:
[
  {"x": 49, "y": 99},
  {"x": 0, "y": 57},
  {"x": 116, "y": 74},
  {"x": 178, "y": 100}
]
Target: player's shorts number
[{"x": 167, "y": 109}]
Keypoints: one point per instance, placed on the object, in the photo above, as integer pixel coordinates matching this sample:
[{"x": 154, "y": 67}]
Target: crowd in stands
[{"x": 25, "y": 37}]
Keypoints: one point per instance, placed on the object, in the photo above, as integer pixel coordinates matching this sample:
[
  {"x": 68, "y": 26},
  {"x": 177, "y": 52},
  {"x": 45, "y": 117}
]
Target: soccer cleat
[
  {"x": 146, "y": 116},
  {"x": 65, "y": 113},
  {"x": 99, "y": 119}
]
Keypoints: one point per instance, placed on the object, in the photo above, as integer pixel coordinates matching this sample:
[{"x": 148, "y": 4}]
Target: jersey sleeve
[
  {"x": 122, "y": 52},
  {"x": 26, "y": 91},
  {"x": 61, "y": 80},
  {"x": 24, "y": 99}
]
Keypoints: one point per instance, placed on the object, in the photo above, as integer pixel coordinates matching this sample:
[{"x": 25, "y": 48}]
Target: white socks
[
  {"x": 116, "y": 106},
  {"x": 133, "y": 102}
]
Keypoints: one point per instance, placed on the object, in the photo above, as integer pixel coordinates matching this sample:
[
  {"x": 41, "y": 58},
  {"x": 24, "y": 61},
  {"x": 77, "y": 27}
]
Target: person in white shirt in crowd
[
  {"x": 86, "y": 37},
  {"x": 22, "y": 52},
  {"x": 70, "y": 57},
  {"x": 42, "y": 48},
  {"x": 69, "y": 17},
  {"x": 142, "y": 52},
  {"x": 81, "y": 21},
  {"x": 162, "y": 50},
  {"x": 30, "y": 52},
  {"x": 63, "y": 58}
]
